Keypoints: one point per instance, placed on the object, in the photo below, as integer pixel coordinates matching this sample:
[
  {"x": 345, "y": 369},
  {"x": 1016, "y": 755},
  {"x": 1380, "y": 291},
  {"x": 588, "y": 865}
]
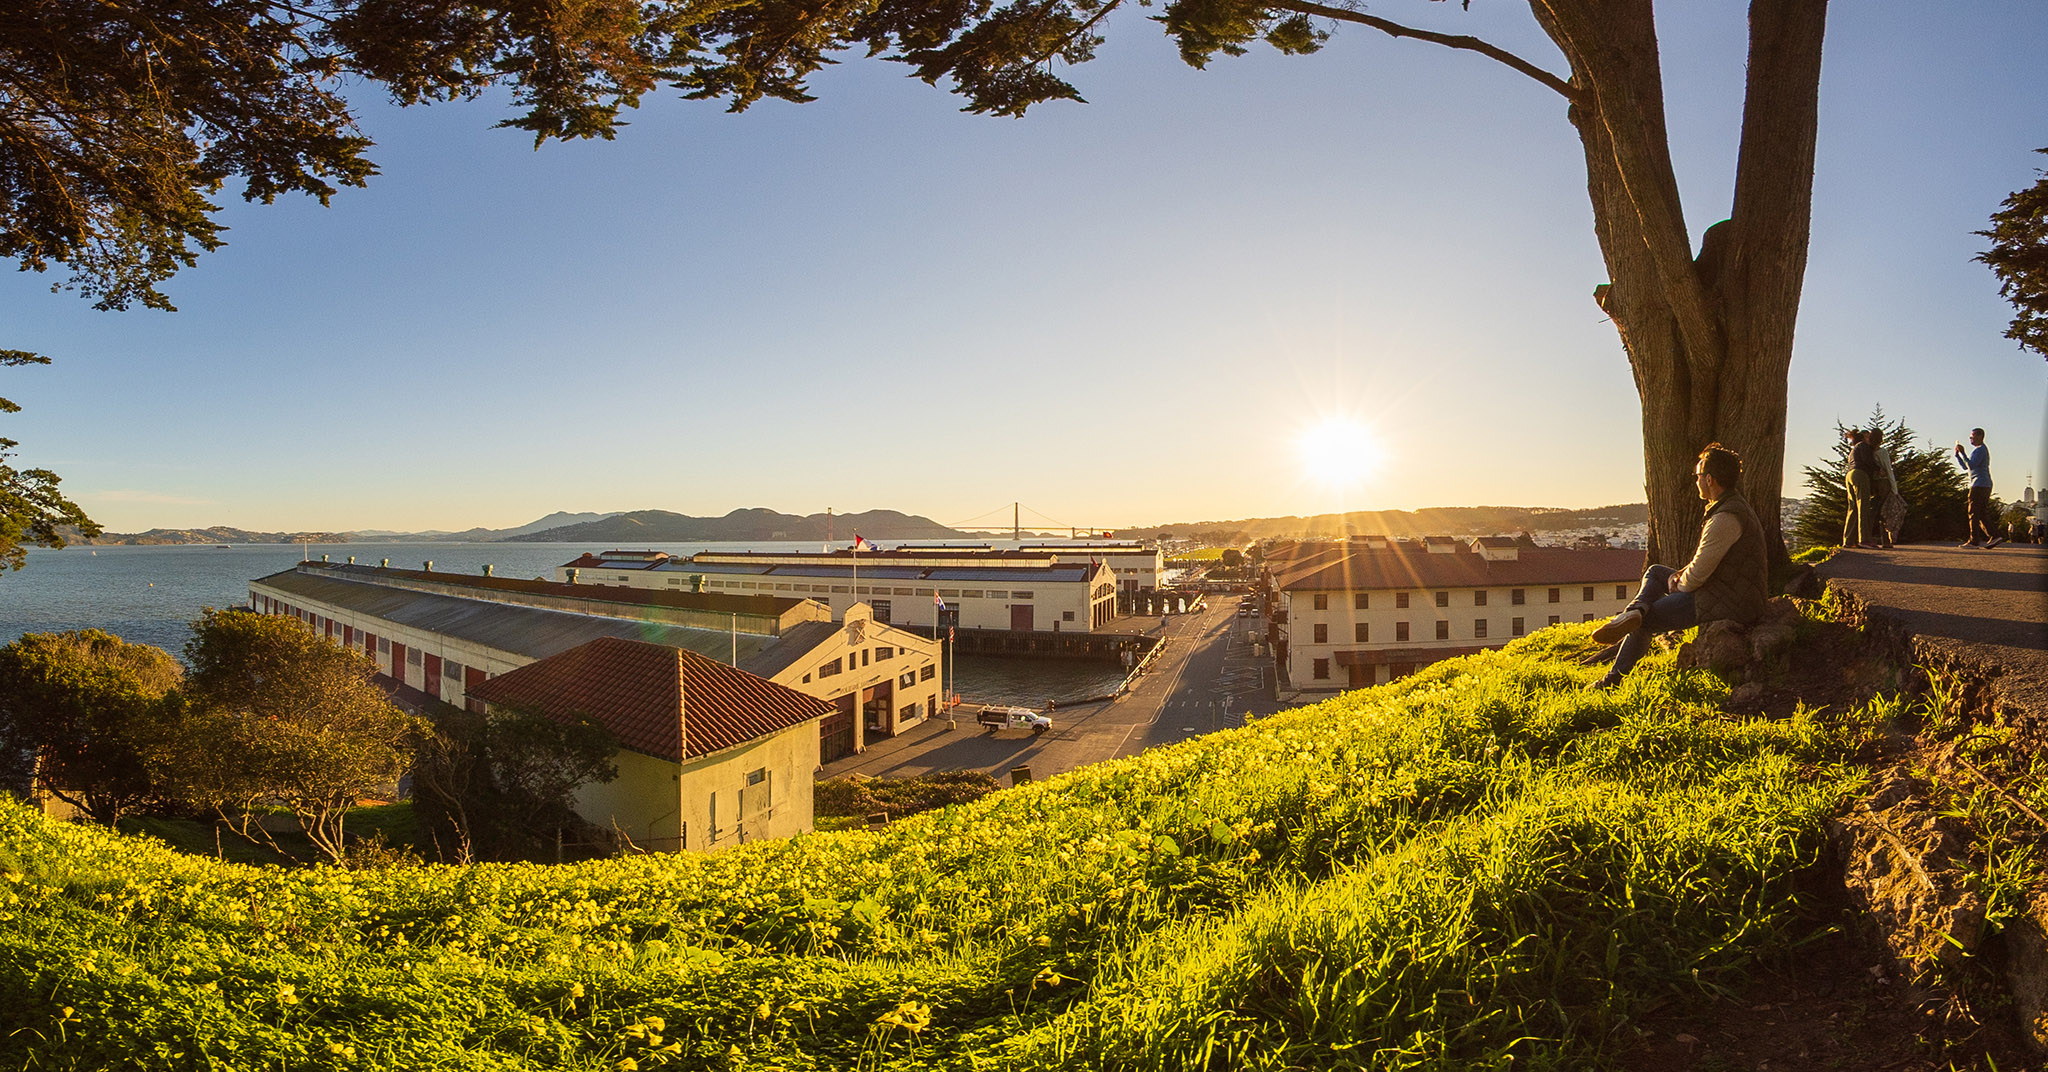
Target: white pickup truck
[{"x": 1012, "y": 718}]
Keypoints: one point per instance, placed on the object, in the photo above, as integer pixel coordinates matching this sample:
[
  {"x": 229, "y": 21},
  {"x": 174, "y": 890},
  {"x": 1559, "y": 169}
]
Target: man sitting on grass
[{"x": 1725, "y": 581}]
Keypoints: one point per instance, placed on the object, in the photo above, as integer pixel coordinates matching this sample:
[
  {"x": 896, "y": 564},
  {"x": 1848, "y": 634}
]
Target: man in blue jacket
[{"x": 1978, "y": 463}]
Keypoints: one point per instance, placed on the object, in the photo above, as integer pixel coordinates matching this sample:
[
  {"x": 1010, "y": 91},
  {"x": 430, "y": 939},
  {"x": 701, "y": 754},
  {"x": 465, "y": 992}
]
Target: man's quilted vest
[{"x": 1736, "y": 589}]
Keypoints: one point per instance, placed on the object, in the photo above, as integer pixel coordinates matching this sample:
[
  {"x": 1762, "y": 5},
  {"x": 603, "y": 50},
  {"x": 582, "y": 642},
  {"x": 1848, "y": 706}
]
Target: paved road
[
  {"x": 1205, "y": 680},
  {"x": 1988, "y": 607}
]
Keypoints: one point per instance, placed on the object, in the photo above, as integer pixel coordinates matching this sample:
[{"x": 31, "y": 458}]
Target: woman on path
[{"x": 1893, "y": 513}]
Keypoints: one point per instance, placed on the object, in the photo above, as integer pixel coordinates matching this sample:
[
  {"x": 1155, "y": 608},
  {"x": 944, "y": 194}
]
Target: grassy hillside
[{"x": 1480, "y": 867}]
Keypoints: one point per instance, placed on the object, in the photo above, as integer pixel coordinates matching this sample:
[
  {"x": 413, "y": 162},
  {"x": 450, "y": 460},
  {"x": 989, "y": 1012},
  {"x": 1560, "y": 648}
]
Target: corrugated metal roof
[
  {"x": 798, "y": 641},
  {"x": 1018, "y": 574},
  {"x": 529, "y": 631},
  {"x": 659, "y": 701}
]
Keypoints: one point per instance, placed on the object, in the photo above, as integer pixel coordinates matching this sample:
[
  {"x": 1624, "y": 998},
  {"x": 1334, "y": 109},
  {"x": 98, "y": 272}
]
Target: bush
[{"x": 857, "y": 796}]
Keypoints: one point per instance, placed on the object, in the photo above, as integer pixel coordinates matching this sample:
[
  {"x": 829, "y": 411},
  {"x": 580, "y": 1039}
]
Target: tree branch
[{"x": 1458, "y": 41}]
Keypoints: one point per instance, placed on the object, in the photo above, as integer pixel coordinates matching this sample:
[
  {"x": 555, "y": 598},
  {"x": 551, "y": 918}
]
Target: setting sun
[{"x": 1339, "y": 452}]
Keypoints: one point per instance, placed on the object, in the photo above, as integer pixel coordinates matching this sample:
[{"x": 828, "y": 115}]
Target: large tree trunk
[{"x": 1709, "y": 338}]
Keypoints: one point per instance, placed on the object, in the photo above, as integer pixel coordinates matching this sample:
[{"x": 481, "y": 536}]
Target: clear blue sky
[{"x": 1117, "y": 313}]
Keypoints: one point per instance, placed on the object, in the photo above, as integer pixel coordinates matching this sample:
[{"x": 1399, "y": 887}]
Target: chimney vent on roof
[
  {"x": 488, "y": 568},
  {"x": 429, "y": 566},
  {"x": 351, "y": 560},
  {"x": 572, "y": 574},
  {"x": 386, "y": 564}
]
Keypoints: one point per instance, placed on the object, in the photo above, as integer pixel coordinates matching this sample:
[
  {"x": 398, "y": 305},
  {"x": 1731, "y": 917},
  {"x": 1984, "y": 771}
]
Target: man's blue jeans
[{"x": 1663, "y": 610}]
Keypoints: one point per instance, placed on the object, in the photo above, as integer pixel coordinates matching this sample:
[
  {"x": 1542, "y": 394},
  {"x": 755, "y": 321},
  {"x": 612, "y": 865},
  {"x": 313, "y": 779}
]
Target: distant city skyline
[{"x": 1121, "y": 313}]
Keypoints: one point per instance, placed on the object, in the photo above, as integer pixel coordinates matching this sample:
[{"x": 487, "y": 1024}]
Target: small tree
[
  {"x": 274, "y": 714},
  {"x": 74, "y": 705},
  {"x": 1937, "y": 498},
  {"x": 503, "y": 786}
]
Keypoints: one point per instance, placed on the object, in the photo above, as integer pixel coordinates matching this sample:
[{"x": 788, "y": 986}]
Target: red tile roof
[
  {"x": 1356, "y": 569},
  {"x": 661, "y": 701}
]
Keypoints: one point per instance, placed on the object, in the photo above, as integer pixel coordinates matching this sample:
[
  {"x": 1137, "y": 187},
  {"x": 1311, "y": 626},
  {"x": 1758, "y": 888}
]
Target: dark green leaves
[{"x": 2019, "y": 256}]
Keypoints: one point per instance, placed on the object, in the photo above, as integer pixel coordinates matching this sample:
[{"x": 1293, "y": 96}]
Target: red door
[
  {"x": 432, "y": 684},
  {"x": 398, "y": 661},
  {"x": 1023, "y": 617}
]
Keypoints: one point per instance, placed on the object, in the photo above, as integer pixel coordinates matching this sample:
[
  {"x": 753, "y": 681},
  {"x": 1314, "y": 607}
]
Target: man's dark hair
[
  {"x": 1978, "y": 432},
  {"x": 1724, "y": 465}
]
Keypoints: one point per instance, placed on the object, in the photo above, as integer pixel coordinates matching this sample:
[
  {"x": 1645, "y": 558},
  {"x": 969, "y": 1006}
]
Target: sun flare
[{"x": 1339, "y": 453}]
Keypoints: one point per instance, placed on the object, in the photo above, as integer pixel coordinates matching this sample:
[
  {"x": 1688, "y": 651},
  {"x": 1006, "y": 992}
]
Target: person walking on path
[
  {"x": 1978, "y": 463},
  {"x": 1725, "y": 581},
  {"x": 1893, "y": 512},
  {"x": 1861, "y": 484}
]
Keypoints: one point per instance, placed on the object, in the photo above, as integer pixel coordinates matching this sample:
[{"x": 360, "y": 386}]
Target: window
[
  {"x": 884, "y": 654},
  {"x": 1400, "y": 601},
  {"x": 1021, "y": 595},
  {"x": 1066, "y": 616},
  {"x": 1443, "y": 630},
  {"x": 1518, "y": 596},
  {"x": 1322, "y": 633},
  {"x": 1361, "y": 601},
  {"x": 1621, "y": 591},
  {"x": 1322, "y": 601},
  {"x": 881, "y": 609},
  {"x": 1322, "y": 670},
  {"x": 903, "y": 592},
  {"x": 807, "y": 679},
  {"x": 907, "y": 680},
  {"x": 1443, "y": 599},
  {"x": 926, "y": 673},
  {"x": 1557, "y": 595},
  {"x": 1586, "y": 594},
  {"x": 451, "y": 670},
  {"x": 1400, "y": 630},
  {"x": 909, "y": 711},
  {"x": 714, "y": 815},
  {"x": 1517, "y": 628},
  {"x": 383, "y": 646},
  {"x": 841, "y": 588},
  {"x": 863, "y": 658},
  {"x": 412, "y": 656},
  {"x": 828, "y": 669},
  {"x": 1479, "y": 628},
  {"x": 1361, "y": 633},
  {"x": 1479, "y": 598},
  {"x": 1585, "y": 617},
  {"x": 970, "y": 593},
  {"x": 1554, "y": 619},
  {"x": 758, "y": 795}
]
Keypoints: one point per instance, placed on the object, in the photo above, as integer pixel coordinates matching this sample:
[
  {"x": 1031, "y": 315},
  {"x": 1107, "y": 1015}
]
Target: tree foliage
[
  {"x": 1936, "y": 493},
  {"x": 32, "y": 511},
  {"x": 2019, "y": 256},
  {"x": 502, "y": 786},
  {"x": 273, "y": 714},
  {"x": 77, "y": 707}
]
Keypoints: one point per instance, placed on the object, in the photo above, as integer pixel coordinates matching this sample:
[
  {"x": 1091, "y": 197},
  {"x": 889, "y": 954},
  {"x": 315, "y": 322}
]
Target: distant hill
[
  {"x": 642, "y": 527},
  {"x": 558, "y": 519},
  {"x": 216, "y": 534}
]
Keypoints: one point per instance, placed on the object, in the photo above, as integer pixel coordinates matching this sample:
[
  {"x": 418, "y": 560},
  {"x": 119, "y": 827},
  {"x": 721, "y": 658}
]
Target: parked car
[{"x": 1012, "y": 718}]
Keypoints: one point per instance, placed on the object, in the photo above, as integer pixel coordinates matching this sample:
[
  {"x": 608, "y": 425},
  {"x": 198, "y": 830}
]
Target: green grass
[{"x": 1482, "y": 866}]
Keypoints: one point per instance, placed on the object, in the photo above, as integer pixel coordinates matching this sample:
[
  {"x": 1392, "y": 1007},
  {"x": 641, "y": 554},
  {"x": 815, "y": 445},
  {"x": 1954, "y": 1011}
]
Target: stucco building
[
  {"x": 709, "y": 755},
  {"x": 440, "y": 635},
  {"x": 1366, "y": 611},
  {"x": 997, "y": 590}
]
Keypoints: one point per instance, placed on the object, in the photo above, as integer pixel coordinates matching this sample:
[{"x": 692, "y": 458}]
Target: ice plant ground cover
[{"x": 1481, "y": 866}]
